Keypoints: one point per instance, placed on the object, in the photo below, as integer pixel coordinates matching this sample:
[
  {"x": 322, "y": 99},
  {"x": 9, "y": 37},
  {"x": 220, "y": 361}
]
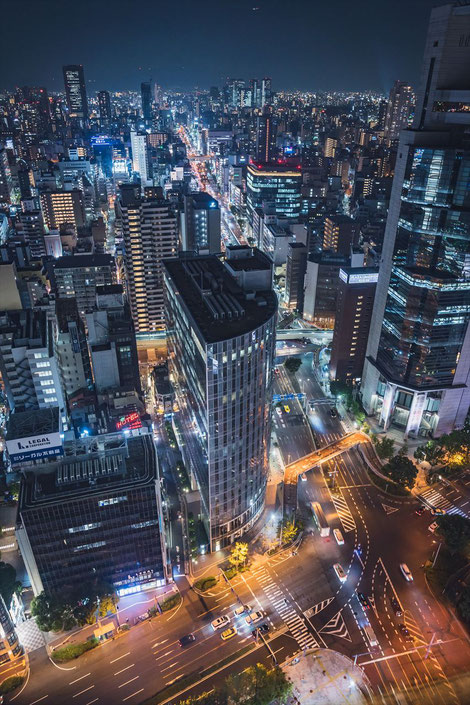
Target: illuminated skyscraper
[
  {"x": 75, "y": 91},
  {"x": 398, "y": 110},
  {"x": 417, "y": 370},
  {"x": 274, "y": 183},
  {"x": 104, "y": 102}
]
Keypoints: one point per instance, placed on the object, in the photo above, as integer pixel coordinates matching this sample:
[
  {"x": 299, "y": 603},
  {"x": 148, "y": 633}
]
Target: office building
[
  {"x": 6, "y": 181},
  {"x": 112, "y": 343},
  {"x": 146, "y": 95},
  {"x": 266, "y": 138},
  {"x": 104, "y": 104},
  {"x": 28, "y": 363},
  {"x": 78, "y": 276},
  {"x": 277, "y": 184},
  {"x": 417, "y": 369},
  {"x": 31, "y": 229},
  {"x": 71, "y": 348},
  {"x": 221, "y": 322},
  {"x": 94, "y": 514},
  {"x": 200, "y": 223},
  {"x": 295, "y": 275},
  {"x": 354, "y": 303},
  {"x": 63, "y": 208},
  {"x": 75, "y": 92},
  {"x": 266, "y": 92},
  {"x": 9, "y": 294},
  {"x": 341, "y": 234},
  {"x": 321, "y": 287},
  {"x": 10, "y": 647},
  {"x": 400, "y": 105},
  {"x": 150, "y": 234}
]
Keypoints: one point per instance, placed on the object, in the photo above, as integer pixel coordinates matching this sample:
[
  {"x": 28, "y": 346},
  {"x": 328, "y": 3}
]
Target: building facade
[
  {"x": 417, "y": 369},
  {"x": 278, "y": 184},
  {"x": 200, "y": 224},
  {"x": 221, "y": 322},
  {"x": 77, "y": 276},
  {"x": 75, "y": 91}
]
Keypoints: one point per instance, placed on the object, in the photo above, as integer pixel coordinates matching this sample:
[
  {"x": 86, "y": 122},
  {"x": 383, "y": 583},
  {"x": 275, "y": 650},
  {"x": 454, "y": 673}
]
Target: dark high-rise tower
[
  {"x": 266, "y": 136},
  {"x": 75, "y": 91},
  {"x": 104, "y": 102},
  {"x": 417, "y": 369},
  {"x": 146, "y": 93}
]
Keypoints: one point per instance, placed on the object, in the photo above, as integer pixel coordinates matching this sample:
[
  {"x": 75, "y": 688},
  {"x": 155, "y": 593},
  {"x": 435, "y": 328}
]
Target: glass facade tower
[{"x": 417, "y": 371}]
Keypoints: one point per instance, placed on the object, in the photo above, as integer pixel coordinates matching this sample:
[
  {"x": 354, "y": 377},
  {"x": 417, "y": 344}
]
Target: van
[{"x": 370, "y": 634}]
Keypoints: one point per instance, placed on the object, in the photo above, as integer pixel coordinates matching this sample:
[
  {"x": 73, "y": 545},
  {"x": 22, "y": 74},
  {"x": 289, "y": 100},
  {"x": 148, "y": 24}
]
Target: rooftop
[
  {"x": 23, "y": 424},
  {"x": 77, "y": 261},
  {"x": 220, "y": 308}
]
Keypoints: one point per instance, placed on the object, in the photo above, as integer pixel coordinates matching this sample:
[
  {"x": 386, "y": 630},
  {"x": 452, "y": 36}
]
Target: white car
[
  {"x": 340, "y": 572},
  {"x": 338, "y": 536},
  {"x": 432, "y": 527},
  {"x": 278, "y": 411},
  {"x": 254, "y": 617},
  {"x": 220, "y": 622},
  {"x": 406, "y": 572},
  {"x": 240, "y": 609}
]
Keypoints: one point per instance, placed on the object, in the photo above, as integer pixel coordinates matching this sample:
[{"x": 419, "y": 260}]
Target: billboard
[{"x": 35, "y": 447}]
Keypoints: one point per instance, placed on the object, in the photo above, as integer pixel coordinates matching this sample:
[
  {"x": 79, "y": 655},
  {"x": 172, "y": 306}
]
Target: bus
[{"x": 320, "y": 518}]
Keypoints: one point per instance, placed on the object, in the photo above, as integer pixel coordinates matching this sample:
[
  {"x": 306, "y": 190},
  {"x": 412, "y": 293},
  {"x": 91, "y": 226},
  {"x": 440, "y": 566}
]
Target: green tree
[
  {"x": 463, "y": 604},
  {"x": 238, "y": 554},
  {"x": 257, "y": 686},
  {"x": 52, "y": 614},
  {"x": 384, "y": 446},
  {"x": 292, "y": 364},
  {"x": 432, "y": 452},
  {"x": 401, "y": 470},
  {"x": 455, "y": 530},
  {"x": 8, "y": 582},
  {"x": 289, "y": 531}
]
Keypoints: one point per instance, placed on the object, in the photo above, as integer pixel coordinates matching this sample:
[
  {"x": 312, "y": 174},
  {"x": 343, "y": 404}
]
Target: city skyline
[{"x": 324, "y": 48}]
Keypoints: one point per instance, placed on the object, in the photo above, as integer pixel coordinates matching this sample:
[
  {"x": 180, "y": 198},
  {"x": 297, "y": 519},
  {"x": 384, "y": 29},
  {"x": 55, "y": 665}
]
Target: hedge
[
  {"x": 170, "y": 602},
  {"x": 68, "y": 653},
  {"x": 204, "y": 584},
  {"x": 10, "y": 684}
]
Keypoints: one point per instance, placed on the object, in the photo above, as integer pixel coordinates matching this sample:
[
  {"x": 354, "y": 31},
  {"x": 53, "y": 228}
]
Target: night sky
[{"x": 301, "y": 44}]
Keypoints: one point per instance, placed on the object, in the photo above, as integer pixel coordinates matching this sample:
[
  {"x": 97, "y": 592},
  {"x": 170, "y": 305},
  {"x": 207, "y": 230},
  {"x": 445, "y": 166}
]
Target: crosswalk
[
  {"x": 343, "y": 511},
  {"x": 436, "y": 500},
  {"x": 296, "y": 624}
]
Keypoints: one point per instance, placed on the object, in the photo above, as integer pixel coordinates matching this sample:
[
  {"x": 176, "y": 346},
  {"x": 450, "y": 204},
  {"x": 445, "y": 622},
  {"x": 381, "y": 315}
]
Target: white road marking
[
  {"x": 82, "y": 691},
  {"x": 39, "y": 700},
  {"x": 127, "y": 682},
  {"x": 123, "y": 669},
  {"x": 79, "y": 679},
  {"x": 131, "y": 696},
  {"x": 118, "y": 658}
]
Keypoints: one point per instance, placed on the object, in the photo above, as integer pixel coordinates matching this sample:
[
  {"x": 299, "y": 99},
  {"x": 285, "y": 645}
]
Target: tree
[
  {"x": 289, "y": 531},
  {"x": 257, "y": 686},
  {"x": 8, "y": 582},
  {"x": 292, "y": 364},
  {"x": 455, "y": 530},
  {"x": 384, "y": 446},
  {"x": 238, "y": 554},
  {"x": 401, "y": 470},
  {"x": 432, "y": 452},
  {"x": 463, "y": 604},
  {"x": 52, "y": 615}
]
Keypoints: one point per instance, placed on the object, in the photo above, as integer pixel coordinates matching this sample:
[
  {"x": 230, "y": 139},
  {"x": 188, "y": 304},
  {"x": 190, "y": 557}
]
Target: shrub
[
  {"x": 72, "y": 651},
  {"x": 170, "y": 602},
  {"x": 230, "y": 573},
  {"x": 125, "y": 627},
  {"x": 10, "y": 684},
  {"x": 204, "y": 584}
]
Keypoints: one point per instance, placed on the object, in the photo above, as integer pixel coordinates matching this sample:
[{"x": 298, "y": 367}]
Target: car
[
  {"x": 406, "y": 572},
  {"x": 396, "y": 606},
  {"x": 338, "y": 536},
  {"x": 187, "y": 639},
  {"x": 278, "y": 410},
  {"x": 240, "y": 609},
  {"x": 263, "y": 628},
  {"x": 420, "y": 510},
  {"x": 220, "y": 622},
  {"x": 254, "y": 617},
  {"x": 436, "y": 512},
  {"x": 363, "y": 599},
  {"x": 287, "y": 408},
  {"x": 340, "y": 572},
  {"x": 333, "y": 413},
  {"x": 303, "y": 477},
  {"x": 404, "y": 631},
  {"x": 229, "y": 633},
  {"x": 432, "y": 527}
]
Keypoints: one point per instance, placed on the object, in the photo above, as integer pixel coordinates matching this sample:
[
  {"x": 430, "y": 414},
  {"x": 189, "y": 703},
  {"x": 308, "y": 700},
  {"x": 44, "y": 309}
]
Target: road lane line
[
  {"x": 158, "y": 643},
  {"x": 120, "y": 657},
  {"x": 127, "y": 682},
  {"x": 167, "y": 668},
  {"x": 79, "y": 679},
  {"x": 123, "y": 669},
  {"x": 39, "y": 700},
  {"x": 131, "y": 696},
  {"x": 82, "y": 691},
  {"x": 92, "y": 701},
  {"x": 163, "y": 655}
]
